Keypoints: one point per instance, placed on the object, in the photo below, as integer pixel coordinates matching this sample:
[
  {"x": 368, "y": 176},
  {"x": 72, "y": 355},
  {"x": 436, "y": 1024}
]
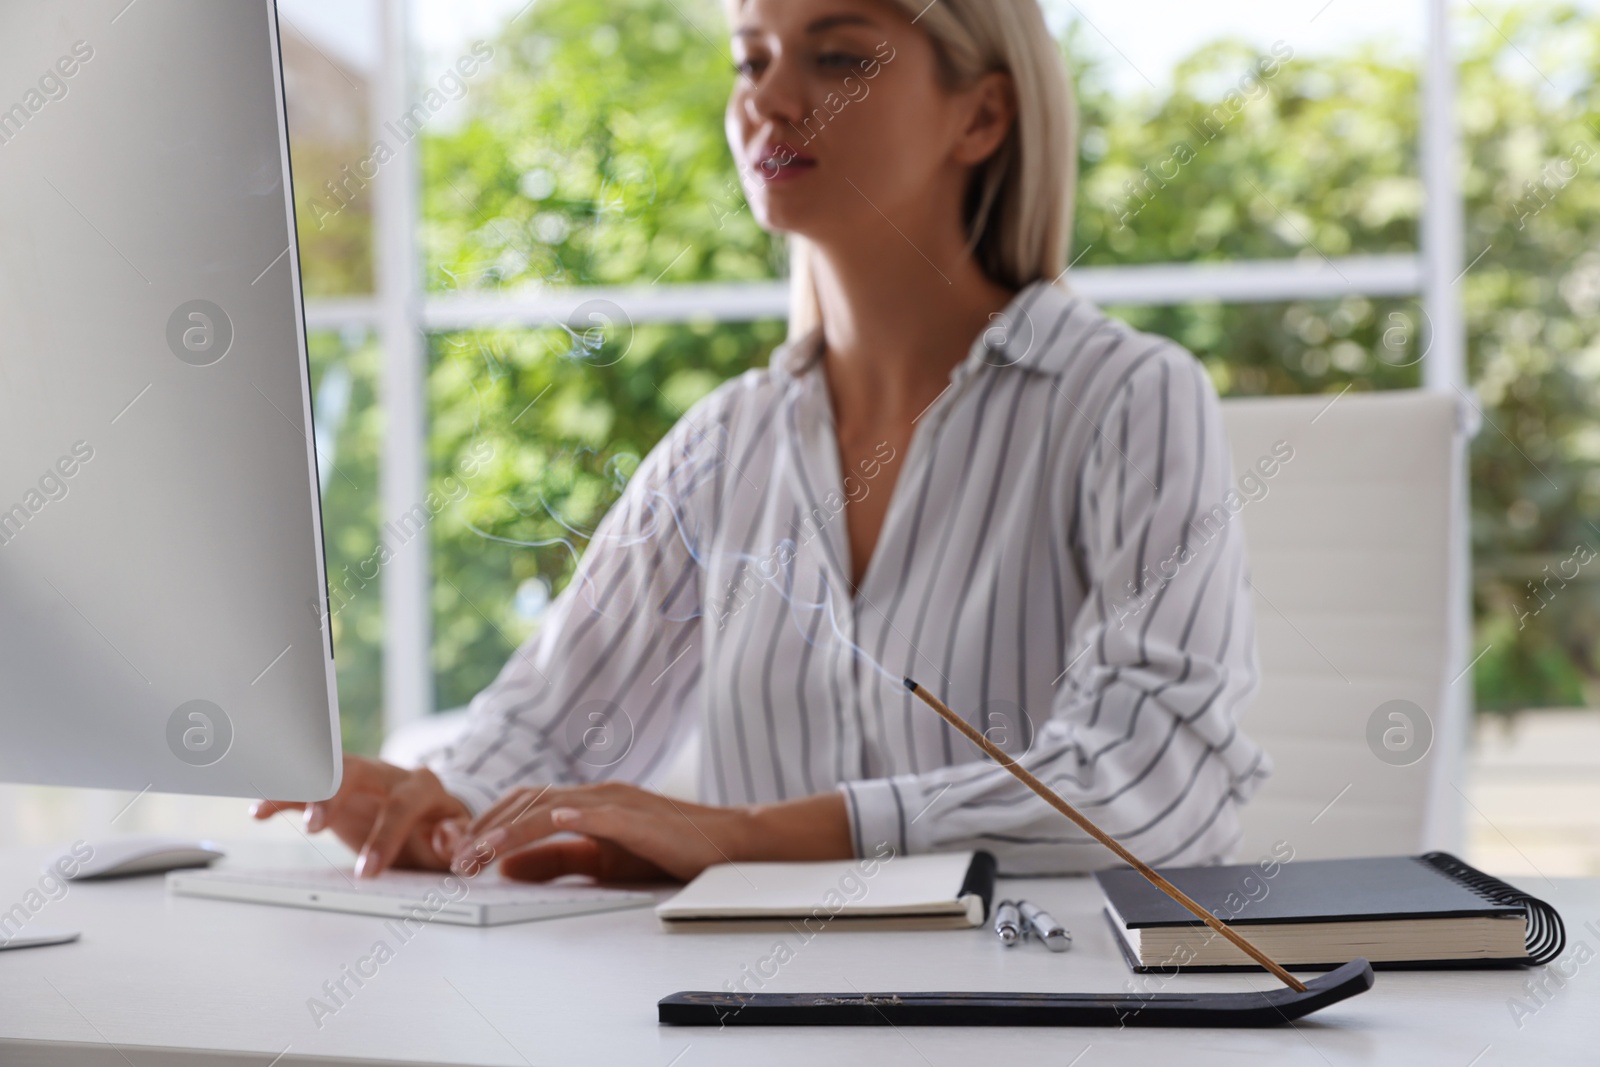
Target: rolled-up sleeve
[{"x": 1142, "y": 736}]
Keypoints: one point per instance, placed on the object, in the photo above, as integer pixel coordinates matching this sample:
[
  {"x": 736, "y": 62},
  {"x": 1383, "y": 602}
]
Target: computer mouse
[{"x": 118, "y": 857}]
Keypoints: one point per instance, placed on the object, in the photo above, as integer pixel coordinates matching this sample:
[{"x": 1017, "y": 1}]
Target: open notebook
[
  {"x": 1396, "y": 911},
  {"x": 930, "y": 892}
]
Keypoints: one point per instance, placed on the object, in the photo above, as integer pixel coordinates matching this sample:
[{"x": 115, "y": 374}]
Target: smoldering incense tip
[{"x": 910, "y": 684}]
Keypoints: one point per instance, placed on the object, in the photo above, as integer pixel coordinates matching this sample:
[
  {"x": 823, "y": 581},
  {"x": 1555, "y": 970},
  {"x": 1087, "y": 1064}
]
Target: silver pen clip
[
  {"x": 1055, "y": 936},
  {"x": 1007, "y": 923}
]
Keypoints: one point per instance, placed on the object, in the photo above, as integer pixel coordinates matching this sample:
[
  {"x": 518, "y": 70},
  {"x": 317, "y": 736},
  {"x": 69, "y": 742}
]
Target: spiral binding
[{"x": 1546, "y": 935}]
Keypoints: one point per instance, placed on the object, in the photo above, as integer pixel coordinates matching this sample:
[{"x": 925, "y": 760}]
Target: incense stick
[{"x": 1049, "y": 796}]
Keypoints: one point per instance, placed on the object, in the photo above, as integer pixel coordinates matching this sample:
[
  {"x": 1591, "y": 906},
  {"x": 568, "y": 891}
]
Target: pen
[
  {"x": 1052, "y": 933},
  {"x": 1007, "y": 923}
]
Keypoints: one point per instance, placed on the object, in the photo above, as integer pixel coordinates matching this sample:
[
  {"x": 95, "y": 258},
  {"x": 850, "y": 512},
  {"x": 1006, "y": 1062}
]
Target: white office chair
[
  {"x": 1357, "y": 560},
  {"x": 1352, "y": 553}
]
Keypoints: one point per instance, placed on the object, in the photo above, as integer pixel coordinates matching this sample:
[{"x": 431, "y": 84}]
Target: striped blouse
[{"x": 1043, "y": 567}]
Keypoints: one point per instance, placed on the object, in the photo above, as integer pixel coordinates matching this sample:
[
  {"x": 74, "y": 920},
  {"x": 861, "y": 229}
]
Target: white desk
[{"x": 171, "y": 980}]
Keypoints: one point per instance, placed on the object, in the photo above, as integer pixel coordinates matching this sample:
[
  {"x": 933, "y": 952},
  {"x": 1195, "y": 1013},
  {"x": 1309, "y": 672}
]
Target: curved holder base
[
  {"x": 1272, "y": 1007},
  {"x": 38, "y": 937}
]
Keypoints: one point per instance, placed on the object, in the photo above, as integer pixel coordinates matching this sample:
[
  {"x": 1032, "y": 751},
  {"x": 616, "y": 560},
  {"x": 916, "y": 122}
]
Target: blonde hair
[{"x": 1019, "y": 209}]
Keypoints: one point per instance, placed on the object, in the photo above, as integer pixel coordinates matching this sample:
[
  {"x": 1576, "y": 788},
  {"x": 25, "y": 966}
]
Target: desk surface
[{"x": 160, "y": 980}]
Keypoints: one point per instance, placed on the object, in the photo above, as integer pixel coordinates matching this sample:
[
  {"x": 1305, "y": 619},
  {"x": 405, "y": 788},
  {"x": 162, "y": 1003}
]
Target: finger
[
  {"x": 529, "y": 827},
  {"x": 448, "y": 836},
  {"x": 358, "y": 775},
  {"x": 390, "y": 830},
  {"x": 363, "y": 781},
  {"x": 510, "y": 803},
  {"x": 510, "y": 808},
  {"x": 519, "y": 827},
  {"x": 516, "y": 824},
  {"x": 472, "y": 862},
  {"x": 266, "y": 809},
  {"x": 552, "y": 859}
]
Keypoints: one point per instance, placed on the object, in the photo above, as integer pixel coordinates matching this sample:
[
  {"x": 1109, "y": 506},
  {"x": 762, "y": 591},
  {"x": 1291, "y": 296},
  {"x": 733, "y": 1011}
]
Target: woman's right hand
[{"x": 386, "y": 814}]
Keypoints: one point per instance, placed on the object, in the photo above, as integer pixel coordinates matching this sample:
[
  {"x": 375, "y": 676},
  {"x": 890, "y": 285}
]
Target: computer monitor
[{"x": 162, "y": 590}]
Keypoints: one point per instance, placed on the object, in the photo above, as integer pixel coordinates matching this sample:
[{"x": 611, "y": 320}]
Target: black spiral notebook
[{"x": 1400, "y": 912}]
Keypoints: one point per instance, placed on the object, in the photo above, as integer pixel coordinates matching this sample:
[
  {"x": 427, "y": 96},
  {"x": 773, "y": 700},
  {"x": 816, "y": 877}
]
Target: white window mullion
[
  {"x": 1234, "y": 282},
  {"x": 402, "y": 469}
]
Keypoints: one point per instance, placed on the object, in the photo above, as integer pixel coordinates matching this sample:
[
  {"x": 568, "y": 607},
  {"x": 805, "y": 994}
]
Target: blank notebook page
[{"x": 899, "y": 885}]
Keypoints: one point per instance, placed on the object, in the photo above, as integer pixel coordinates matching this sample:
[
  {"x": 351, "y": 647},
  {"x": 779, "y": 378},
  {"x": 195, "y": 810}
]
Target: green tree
[
  {"x": 595, "y": 156},
  {"x": 349, "y": 434},
  {"x": 1530, "y": 111}
]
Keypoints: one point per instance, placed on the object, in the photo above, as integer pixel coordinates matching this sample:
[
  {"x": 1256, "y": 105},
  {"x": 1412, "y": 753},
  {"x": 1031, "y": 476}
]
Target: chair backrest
[{"x": 1356, "y": 559}]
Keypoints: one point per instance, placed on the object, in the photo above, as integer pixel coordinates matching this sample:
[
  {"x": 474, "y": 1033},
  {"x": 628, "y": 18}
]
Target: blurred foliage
[
  {"x": 344, "y": 379},
  {"x": 1320, "y": 161},
  {"x": 594, "y": 154},
  {"x": 335, "y": 246},
  {"x": 563, "y": 421},
  {"x": 1530, "y": 113},
  {"x": 1261, "y": 156}
]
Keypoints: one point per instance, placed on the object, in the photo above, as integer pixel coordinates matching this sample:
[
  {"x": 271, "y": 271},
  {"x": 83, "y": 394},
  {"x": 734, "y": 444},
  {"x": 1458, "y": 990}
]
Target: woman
[{"x": 954, "y": 470}]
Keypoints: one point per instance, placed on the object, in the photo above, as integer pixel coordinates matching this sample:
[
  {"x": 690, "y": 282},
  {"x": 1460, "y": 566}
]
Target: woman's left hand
[{"x": 631, "y": 834}]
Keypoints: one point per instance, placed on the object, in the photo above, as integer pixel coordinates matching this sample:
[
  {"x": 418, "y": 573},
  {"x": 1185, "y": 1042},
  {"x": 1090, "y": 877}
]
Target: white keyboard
[{"x": 422, "y": 896}]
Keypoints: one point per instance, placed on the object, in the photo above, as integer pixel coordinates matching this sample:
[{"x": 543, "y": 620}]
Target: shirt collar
[{"x": 1024, "y": 334}]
